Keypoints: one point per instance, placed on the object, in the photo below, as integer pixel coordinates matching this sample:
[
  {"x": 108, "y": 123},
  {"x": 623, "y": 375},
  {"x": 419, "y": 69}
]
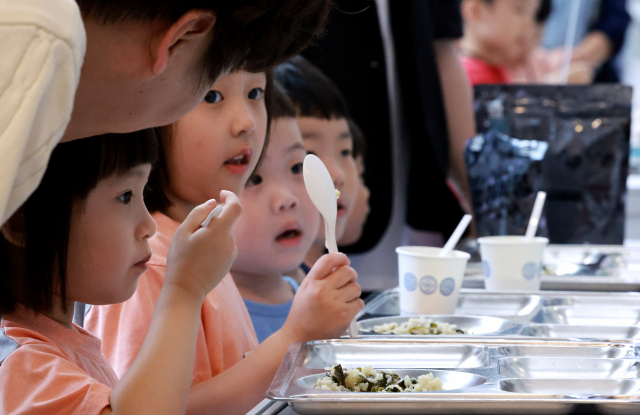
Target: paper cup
[
  {"x": 428, "y": 284},
  {"x": 512, "y": 262}
]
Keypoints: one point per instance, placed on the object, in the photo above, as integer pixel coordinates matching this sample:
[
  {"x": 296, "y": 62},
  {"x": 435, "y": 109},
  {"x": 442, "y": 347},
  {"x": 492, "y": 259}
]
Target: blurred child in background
[
  {"x": 497, "y": 33},
  {"x": 358, "y": 216},
  {"x": 323, "y": 118}
]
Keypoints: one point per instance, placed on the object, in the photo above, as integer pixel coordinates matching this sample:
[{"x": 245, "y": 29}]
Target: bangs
[{"x": 119, "y": 153}]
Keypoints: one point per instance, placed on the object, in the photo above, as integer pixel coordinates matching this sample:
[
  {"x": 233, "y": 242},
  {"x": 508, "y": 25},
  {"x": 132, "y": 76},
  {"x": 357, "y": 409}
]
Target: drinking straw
[
  {"x": 568, "y": 43},
  {"x": 455, "y": 236},
  {"x": 535, "y": 215}
]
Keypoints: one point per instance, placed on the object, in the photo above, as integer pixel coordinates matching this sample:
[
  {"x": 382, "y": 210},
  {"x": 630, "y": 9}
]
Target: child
[
  {"x": 83, "y": 236},
  {"x": 358, "y": 217},
  {"x": 496, "y": 32},
  {"x": 323, "y": 116},
  {"x": 217, "y": 146},
  {"x": 78, "y": 68},
  {"x": 278, "y": 225}
]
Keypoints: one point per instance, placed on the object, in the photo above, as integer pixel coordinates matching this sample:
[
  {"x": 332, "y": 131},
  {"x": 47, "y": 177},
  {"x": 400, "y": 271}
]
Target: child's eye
[
  {"x": 346, "y": 153},
  {"x": 212, "y": 97},
  {"x": 254, "y": 180},
  {"x": 297, "y": 168},
  {"x": 126, "y": 197},
  {"x": 256, "y": 93}
]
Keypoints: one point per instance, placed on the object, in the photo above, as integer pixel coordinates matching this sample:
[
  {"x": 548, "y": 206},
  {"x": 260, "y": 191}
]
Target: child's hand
[
  {"x": 326, "y": 302},
  {"x": 199, "y": 258}
]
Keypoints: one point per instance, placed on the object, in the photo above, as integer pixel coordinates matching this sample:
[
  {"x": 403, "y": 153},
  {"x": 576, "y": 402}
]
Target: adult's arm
[
  {"x": 43, "y": 45},
  {"x": 457, "y": 98},
  {"x": 607, "y": 34}
]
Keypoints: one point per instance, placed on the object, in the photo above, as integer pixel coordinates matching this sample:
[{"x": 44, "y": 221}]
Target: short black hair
[
  {"x": 544, "y": 11},
  {"x": 156, "y": 197},
  {"x": 250, "y": 34},
  {"x": 359, "y": 142},
  {"x": 313, "y": 93},
  {"x": 282, "y": 106},
  {"x": 74, "y": 170}
]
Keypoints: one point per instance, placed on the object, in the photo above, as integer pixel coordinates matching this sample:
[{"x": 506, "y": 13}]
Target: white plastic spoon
[
  {"x": 214, "y": 214},
  {"x": 322, "y": 192},
  {"x": 535, "y": 215},
  {"x": 455, "y": 236}
]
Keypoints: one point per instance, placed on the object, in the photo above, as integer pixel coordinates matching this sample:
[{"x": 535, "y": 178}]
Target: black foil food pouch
[{"x": 570, "y": 141}]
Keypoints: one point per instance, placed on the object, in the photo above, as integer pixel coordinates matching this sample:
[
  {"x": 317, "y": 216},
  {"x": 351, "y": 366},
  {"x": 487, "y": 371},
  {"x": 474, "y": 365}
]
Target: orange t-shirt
[
  {"x": 54, "y": 370},
  {"x": 225, "y": 334}
]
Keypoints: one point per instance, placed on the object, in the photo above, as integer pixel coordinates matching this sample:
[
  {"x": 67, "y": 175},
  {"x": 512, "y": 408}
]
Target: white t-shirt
[{"x": 42, "y": 46}]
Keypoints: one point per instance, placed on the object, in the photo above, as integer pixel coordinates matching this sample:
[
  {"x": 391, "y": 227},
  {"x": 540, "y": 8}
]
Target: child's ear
[
  {"x": 470, "y": 9},
  {"x": 13, "y": 229},
  {"x": 193, "y": 26}
]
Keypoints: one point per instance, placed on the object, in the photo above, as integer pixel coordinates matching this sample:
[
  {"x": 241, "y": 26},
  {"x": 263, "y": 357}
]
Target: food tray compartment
[
  {"x": 323, "y": 354},
  {"x": 568, "y": 368},
  {"x": 592, "y": 315},
  {"x": 588, "y": 387},
  {"x": 515, "y": 307},
  {"x": 566, "y": 331},
  {"x": 591, "y": 352},
  {"x": 507, "y": 385},
  {"x": 475, "y": 325},
  {"x": 450, "y": 380}
]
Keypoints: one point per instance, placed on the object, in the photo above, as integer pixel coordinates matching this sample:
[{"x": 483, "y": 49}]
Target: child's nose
[
  {"x": 336, "y": 172},
  {"x": 243, "y": 122},
  {"x": 284, "y": 200},
  {"x": 147, "y": 227}
]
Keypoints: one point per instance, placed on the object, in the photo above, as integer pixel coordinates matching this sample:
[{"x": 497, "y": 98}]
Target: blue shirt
[{"x": 269, "y": 318}]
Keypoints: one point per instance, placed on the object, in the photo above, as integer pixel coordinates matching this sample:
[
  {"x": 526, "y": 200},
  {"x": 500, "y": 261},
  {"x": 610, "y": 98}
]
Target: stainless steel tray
[{"x": 553, "y": 378}]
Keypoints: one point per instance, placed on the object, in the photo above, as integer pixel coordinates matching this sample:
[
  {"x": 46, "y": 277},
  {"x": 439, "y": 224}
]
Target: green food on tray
[
  {"x": 367, "y": 379},
  {"x": 421, "y": 326}
]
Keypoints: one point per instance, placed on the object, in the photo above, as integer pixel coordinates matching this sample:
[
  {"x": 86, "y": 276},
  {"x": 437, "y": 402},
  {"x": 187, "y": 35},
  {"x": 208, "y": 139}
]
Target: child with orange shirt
[
  {"x": 83, "y": 236},
  {"x": 217, "y": 146},
  {"x": 496, "y": 34}
]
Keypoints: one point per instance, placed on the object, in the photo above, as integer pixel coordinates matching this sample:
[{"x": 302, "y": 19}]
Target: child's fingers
[
  {"x": 341, "y": 277},
  {"x": 326, "y": 264},
  {"x": 350, "y": 292},
  {"x": 231, "y": 210},
  {"x": 198, "y": 215}
]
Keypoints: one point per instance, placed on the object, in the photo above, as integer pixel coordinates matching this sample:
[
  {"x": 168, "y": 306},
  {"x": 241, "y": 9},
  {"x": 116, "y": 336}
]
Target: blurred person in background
[
  {"x": 497, "y": 34},
  {"x": 600, "y": 33}
]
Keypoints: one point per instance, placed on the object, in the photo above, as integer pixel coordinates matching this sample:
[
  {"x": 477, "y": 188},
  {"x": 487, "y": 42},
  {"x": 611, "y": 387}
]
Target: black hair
[
  {"x": 359, "y": 142},
  {"x": 282, "y": 106},
  {"x": 74, "y": 170},
  {"x": 250, "y": 34},
  {"x": 312, "y": 92},
  {"x": 544, "y": 11},
  {"x": 156, "y": 197}
]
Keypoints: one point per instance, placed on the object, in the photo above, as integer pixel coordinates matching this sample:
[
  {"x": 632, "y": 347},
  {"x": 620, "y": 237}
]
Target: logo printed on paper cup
[
  {"x": 530, "y": 270},
  {"x": 447, "y": 286},
  {"x": 486, "y": 268},
  {"x": 410, "y": 282},
  {"x": 428, "y": 285}
]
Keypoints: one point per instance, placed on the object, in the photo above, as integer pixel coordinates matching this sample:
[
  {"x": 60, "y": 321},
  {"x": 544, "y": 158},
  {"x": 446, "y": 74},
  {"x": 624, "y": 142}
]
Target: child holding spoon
[
  {"x": 83, "y": 236},
  {"x": 217, "y": 147}
]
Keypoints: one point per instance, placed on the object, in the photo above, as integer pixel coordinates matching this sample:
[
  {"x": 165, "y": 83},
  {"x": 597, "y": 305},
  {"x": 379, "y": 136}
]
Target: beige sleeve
[{"x": 42, "y": 45}]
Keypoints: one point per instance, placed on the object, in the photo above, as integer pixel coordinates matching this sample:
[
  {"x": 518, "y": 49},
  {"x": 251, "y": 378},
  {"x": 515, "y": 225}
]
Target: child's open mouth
[
  {"x": 239, "y": 164},
  {"x": 342, "y": 208},
  {"x": 289, "y": 238}
]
